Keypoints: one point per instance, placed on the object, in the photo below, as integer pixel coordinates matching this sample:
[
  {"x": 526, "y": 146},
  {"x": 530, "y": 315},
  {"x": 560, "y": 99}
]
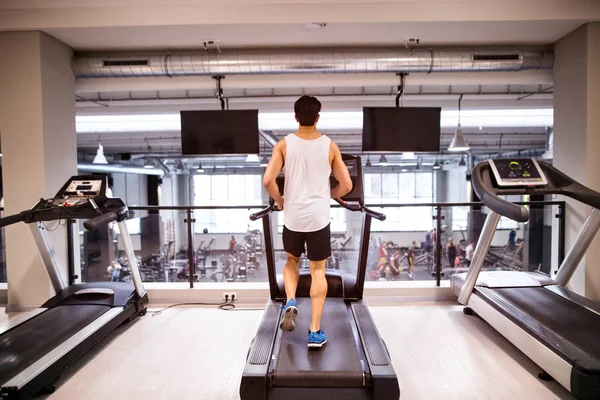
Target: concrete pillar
[
  {"x": 39, "y": 148},
  {"x": 577, "y": 136}
]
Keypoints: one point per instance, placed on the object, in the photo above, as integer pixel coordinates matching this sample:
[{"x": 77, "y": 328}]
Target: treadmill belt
[
  {"x": 336, "y": 364},
  {"x": 28, "y": 342},
  {"x": 569, "y": 329}
]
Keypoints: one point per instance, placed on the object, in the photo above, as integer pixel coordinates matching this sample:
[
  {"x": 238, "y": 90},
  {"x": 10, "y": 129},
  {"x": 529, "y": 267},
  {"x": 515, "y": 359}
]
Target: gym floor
[{"x": 199, "y": 353}]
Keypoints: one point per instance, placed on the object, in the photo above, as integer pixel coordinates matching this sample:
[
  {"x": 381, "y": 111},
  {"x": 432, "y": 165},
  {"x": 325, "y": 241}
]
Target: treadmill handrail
[
  {"x": 361, "y": 208},
  {"x": 105, "y": 219},
  {"x": 13, "y": 219},
  {"x": 265, "y": 211},
  {"x": 558, "y": 183},
  {"x": 484, "y": 189}
]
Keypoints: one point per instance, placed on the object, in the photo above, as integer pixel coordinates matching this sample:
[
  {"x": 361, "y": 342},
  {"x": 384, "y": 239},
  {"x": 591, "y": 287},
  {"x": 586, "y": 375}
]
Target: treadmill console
[
  {"x": 517, "y": 172},
  {"x": 79, "y": 190},
  {"x": 351, "y": 165}
]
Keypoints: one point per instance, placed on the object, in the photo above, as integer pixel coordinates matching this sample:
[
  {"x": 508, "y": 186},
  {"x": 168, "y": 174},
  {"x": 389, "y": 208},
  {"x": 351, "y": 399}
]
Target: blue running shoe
[
  {"x": 289, "y": 315},
  {"x": 316, "y": 339}
]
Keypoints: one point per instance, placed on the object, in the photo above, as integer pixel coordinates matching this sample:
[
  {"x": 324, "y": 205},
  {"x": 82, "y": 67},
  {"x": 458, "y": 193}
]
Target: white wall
[
  {"x": 39, "y": 146},
  {"x": 131, "y": 188},
  {"x": 575, "y": 143},
  {"x": 456, "y": 185}
]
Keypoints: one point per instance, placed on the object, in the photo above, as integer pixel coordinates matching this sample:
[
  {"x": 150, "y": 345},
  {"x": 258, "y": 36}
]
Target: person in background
[
  {"x": 469, "y": 252},
  {"x": 412, "y": 256},
  {"x": 428, "y": 245},
  {"x": 232, "y": 243},
  {"x": 451, "y": 251},
  {"x": 512, "y": 237},
  {"x": 114, "y": 269}
]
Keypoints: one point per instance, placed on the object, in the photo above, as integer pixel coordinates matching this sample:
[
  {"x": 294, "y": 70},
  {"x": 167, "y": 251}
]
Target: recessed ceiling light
[{"x": 314, "y": 26}]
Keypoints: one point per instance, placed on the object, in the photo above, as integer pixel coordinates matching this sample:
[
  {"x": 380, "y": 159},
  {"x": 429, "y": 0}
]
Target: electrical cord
[
  {"x": 155, "y": 313},
  {"x": 227, "y": 305},
  {"x": 231, "y": 306}
]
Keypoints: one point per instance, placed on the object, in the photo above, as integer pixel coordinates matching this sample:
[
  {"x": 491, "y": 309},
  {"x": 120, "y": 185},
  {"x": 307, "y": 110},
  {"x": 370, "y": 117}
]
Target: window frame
[{"x": 416, "y": 197}]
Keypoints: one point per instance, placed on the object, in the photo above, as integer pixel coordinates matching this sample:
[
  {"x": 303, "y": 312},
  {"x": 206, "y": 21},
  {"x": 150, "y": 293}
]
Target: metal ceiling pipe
[
  {"x": 269, "y": 137},
  {"x": 320, "y": 61}
]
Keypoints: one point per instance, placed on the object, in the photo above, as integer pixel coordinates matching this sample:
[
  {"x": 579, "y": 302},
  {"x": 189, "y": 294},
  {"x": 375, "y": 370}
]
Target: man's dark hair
[{"x": 307, "y": 110}]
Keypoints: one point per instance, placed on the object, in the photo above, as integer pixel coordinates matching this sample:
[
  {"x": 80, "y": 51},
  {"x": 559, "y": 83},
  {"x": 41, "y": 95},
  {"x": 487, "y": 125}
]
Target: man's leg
[
  {"x": 318, "y": 293},
  {"x": 318, "y": 250},
  {"x": 293, "y": 243},
  {"x": 291, "y": 274}
]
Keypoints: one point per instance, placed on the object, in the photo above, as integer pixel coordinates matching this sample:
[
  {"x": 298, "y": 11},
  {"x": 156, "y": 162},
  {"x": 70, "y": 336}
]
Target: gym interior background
[{"x": 97, "y": 88}]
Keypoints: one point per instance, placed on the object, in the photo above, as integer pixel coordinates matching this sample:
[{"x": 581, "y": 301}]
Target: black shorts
[{"x": 318, "y": 243}]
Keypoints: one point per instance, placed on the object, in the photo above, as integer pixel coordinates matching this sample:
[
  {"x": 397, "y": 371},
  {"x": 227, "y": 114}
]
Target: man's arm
[
  {"x": 340, "y": 172},
  {"x": 272, "y": 172}
]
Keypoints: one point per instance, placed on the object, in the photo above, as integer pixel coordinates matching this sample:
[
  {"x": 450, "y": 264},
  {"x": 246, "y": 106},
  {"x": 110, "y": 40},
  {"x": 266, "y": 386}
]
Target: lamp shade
[
  {"x": 458, "y": 142},
  {"x": 100, "y": 158}
]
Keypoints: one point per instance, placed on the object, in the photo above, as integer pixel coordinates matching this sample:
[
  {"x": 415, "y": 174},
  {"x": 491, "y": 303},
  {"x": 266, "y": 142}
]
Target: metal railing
[{"x": 438, "y": 218}]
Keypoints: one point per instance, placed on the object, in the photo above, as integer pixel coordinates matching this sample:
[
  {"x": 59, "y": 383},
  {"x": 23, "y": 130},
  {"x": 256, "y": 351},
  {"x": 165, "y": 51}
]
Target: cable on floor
[
  {"x": 224, "y": 306},
  {"x": 155, "y": 313}
]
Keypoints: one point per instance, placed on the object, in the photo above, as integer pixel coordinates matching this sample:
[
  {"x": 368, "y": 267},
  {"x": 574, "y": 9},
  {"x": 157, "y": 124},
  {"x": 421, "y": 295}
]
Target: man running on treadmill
[{"x": 309, "y": 159}]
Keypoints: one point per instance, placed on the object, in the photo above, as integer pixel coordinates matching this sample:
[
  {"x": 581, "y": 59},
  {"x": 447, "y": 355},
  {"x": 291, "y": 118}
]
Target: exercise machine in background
[
  {"x": 555, "y": 327},
  {"x": 37, "y": 346}
]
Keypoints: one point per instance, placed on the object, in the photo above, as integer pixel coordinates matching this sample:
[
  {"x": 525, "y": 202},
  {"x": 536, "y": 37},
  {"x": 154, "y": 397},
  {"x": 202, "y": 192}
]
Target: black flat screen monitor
[
  {"x": 409, "y": 129},
  {"x": 219, "y": 132}
]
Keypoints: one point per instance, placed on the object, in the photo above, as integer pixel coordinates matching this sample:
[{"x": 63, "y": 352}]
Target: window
[
  {"x": 460, "y": 220},
  {"x": 415, "y": 187},
  {"x": 506, "y": 223},
  {"x": 133, "y": 226},
  {"x": 460, "y": 217},
  {"x": 226, "y": 190}
]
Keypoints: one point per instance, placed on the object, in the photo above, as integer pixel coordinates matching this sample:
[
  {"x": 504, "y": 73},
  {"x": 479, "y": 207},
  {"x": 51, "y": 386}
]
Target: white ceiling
[
  {"x": 340, "y": 34},
  {"x": 128, "y": 25}
]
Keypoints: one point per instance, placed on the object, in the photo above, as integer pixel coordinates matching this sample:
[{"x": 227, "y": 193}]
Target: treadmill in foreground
[
  {"x": 36, "y": 347},
  {"x": 558, "y": 329},
  {"x": 355, "y": 363}
]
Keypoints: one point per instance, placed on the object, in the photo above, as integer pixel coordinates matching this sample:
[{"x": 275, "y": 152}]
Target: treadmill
[
  {"x": 355, "y": 363},
  {"x": 555, "y": 327},
  {"x": 37, "y": 346}
]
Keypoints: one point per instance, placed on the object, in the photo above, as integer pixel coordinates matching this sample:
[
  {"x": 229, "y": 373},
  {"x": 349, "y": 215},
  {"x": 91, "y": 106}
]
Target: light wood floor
[{"x": 199, "y": 353}]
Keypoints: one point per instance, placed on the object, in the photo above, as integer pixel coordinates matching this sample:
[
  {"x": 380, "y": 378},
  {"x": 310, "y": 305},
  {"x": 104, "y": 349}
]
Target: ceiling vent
[
  {"x": 125, "y": 63},
  {"x": 496, "y": 57}
]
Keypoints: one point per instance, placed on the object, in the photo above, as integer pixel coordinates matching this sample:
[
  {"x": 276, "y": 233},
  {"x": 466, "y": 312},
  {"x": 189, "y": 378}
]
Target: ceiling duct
[{"x": 92, "y": 65}]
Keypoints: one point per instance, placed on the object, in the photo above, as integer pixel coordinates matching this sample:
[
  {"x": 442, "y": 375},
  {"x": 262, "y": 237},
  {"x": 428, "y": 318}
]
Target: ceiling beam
[{"x": 43, "y": 14}]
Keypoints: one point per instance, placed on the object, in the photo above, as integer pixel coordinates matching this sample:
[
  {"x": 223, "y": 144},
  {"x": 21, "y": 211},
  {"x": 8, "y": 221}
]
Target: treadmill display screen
[{"x": 522, "y": 171}]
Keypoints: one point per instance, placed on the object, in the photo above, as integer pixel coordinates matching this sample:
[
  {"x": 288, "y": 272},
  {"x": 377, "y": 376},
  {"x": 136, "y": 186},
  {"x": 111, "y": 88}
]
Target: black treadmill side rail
[
  {"x": 384, "y": 381},
  {"x": 255, "y": 380}
]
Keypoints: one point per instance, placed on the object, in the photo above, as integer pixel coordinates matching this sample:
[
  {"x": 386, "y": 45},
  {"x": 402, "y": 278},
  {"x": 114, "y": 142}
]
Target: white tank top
[{"x": 307, "y": 192}]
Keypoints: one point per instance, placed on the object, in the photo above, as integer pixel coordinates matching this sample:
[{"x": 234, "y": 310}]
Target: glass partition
[
  {"x": 228, "y": 247},
  {"x": 533, "y": 246},
  {"x": 401, "y": 247},
  {"x": 344, "y": 242}
]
